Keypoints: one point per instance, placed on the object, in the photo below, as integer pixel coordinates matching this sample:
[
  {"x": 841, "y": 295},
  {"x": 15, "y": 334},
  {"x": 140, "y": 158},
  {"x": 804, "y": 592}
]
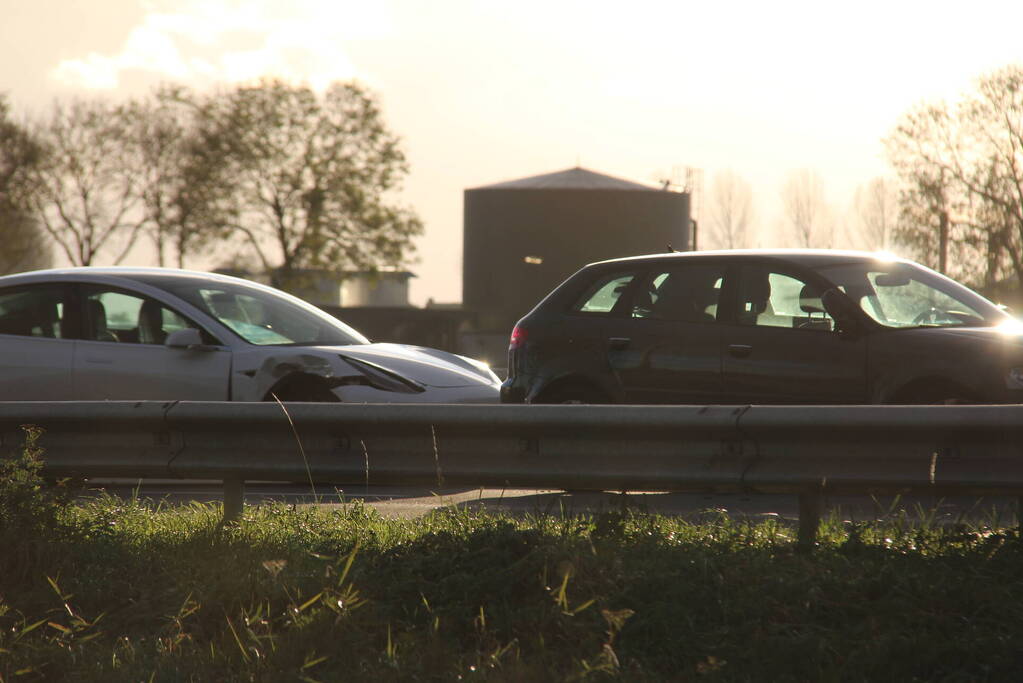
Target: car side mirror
[
  {"x": 842, "y": 309},
  {"x": 187, "y": 338}
]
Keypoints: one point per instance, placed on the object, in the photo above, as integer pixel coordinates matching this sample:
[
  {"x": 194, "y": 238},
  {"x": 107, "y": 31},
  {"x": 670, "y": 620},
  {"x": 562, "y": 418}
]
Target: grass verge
[{"x": 109, "y": 590}]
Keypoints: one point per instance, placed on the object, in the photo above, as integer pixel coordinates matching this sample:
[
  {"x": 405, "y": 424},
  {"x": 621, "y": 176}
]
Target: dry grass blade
[
  {"x": 436, "y": 457},
  {"x": 365, "y": 454},
  {"x": 301, "y": 448},
  {"x": 241, "y": 648}
]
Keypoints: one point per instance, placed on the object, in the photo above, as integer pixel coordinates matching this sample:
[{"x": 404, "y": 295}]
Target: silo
[{"x": 524, "y": 237}]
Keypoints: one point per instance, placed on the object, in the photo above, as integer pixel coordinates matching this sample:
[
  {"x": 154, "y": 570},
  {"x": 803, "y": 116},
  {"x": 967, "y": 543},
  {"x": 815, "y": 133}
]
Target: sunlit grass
[{"x": 122, "y": 590}]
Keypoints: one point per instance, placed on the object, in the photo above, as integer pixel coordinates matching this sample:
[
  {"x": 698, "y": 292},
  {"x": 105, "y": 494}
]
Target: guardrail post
[
  {"x": 234, "y": 499},
  {"x": 810, "y": 505},
  {"x": 1019, "y": 515}
]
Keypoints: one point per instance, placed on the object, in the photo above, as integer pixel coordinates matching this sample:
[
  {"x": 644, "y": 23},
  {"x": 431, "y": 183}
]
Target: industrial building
[{"x": 522, "y": 238}]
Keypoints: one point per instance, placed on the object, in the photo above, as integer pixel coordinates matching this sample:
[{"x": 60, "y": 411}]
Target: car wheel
[{"x": 302, "y": 390}]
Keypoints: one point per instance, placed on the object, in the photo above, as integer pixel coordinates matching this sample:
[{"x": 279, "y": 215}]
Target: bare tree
[
  {"x": 961, "y": 167},
  {"x": 929, "y": 198},
  {"x": 876, "y": 213},
  {"x": 25, "y": 247},
  {"x": 807, "y": 213},
  {"x": 88, "y": 186},
  {"x": 183, "y": 191},
  {"x": 312, "y": 176},
  {"x": 731, "y": 200}
]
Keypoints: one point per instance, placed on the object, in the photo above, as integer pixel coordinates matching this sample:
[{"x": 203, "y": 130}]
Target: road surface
[{"x": 409, "y": 502}]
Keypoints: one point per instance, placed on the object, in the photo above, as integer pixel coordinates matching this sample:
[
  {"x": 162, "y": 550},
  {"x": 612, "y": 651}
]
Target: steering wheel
[{"x": 928, "y": 316}]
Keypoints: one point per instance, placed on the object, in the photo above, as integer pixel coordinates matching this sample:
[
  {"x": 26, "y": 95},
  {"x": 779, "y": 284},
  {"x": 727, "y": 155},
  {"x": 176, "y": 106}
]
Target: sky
[{"x": 481, "y": 92}]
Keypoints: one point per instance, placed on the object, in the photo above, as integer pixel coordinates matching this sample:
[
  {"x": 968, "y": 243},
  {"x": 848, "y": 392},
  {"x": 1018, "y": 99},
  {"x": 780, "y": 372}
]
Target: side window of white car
[
  {"x": 115, "y": 316},
  {"x": 33, "y": 311}
]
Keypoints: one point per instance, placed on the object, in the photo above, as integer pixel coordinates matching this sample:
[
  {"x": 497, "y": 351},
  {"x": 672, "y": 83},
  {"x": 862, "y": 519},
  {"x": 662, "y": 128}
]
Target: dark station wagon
[{"x": 764, "y": 326}]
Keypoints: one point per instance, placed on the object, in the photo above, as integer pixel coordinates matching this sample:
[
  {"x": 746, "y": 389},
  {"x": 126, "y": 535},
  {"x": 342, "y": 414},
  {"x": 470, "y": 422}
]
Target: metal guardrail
[{"x": 802, "y": 450}]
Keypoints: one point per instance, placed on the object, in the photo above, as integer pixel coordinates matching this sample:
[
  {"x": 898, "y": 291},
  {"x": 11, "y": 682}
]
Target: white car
[{"x": 165, "y": 334}]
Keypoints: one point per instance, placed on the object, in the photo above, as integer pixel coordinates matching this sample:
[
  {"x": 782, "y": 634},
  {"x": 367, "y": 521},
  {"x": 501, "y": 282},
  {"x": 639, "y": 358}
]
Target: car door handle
[
  {"x": 740, "y": 350},
  {"x": 618, "y": 343},
  {"x": 100, "y": 361}
]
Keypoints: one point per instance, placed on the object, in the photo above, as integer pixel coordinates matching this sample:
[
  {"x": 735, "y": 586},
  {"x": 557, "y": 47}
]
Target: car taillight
[{"x": 518, "y": 338}]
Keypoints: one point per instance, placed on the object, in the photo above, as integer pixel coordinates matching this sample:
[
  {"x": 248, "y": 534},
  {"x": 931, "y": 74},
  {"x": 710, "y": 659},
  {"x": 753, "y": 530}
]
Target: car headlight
[{"x": 1014, "y": 378}]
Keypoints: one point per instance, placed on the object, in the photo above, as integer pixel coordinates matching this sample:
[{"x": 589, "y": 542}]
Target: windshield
[
  {"x": 899, "y": 294},
  {"x": 262, "y": 316}
]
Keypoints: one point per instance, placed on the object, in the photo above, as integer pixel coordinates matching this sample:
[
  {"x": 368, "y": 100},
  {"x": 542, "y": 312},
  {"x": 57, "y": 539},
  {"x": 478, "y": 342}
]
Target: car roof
[
  {"x": 130, "y": 272},
  {"x": 811, "y": 258}
]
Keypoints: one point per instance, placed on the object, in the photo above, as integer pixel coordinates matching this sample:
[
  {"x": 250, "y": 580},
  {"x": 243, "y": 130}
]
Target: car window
[
  {"x": 907, "y": 297},
  {"x": 265, "y": 320},
  {"x": 688, "y": 293},
  {"x": 910, "y": 302},
  {"x": 899, "y": 294},
  {"x": 603, "y": 294},
  {"x": 116, "y": 316},
  {"x": 33, "y": 312},
  {"x": 259, "y": 315},
  {"x": 772, "y": 299}
]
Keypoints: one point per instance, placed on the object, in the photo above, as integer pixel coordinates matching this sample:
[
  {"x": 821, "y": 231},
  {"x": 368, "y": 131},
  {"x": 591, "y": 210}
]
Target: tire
[{"x": 302, "y": 390}]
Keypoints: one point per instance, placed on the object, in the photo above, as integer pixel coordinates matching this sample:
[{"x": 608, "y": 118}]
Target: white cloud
[
  {"x": 227, "y": 40},
  {"x": 149, "y": 49},
  {"x": 93, "y": 71}
]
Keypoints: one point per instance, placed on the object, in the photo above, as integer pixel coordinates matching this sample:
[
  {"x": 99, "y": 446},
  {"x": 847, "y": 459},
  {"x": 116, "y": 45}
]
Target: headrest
[
  {"x": 758, "y": 288},
  {"x": 810, "y": 300}
]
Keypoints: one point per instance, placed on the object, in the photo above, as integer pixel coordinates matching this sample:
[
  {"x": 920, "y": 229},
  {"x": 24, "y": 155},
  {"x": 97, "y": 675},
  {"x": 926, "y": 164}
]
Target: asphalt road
[{"x": 410, "y": 502}]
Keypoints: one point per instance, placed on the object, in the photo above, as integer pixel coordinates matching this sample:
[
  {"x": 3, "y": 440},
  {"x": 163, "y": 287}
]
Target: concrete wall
[{"x": 375, "y": 289}]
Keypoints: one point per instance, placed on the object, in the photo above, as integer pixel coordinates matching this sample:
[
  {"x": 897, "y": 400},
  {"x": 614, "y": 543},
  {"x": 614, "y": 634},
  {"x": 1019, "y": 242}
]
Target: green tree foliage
[
  {"x": 88, "y": 186},
  {"x": 311, "y": 176},
  {"x": 961, "y": 165},
  {"x": 305, "y": 179},
  {"x": 181, "y": 189},
  {"x": 24, "y": 245}
]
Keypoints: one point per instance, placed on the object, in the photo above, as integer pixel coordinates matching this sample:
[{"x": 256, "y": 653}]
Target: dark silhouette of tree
[
  {"x": 88, "y": 183},
  {"x": 25, "y": 247},
  {"x": 182, "y": 190},
  {"x": 961, "y": 168},
  {"x": 311, "y": 176}
]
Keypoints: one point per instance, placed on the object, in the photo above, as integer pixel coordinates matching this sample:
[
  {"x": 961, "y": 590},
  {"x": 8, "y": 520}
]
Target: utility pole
[
  {"x": 694, "y": 186},
  {"x": 942, "y": 241}
]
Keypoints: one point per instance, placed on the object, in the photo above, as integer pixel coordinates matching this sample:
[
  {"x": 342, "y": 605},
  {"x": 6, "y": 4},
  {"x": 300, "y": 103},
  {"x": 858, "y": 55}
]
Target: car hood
[
  {"x": 429, "y": 367},
  {"x": 1005, "y": 336}
]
